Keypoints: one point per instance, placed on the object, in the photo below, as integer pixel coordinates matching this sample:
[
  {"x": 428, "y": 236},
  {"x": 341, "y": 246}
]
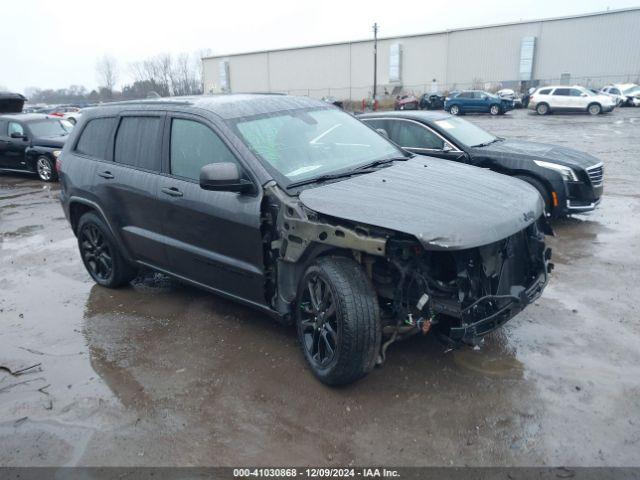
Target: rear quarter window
[
  {"x": 544, "y": 91},
  {"x": 138, "y": 142},
  {"x": 95, "y": 138}
]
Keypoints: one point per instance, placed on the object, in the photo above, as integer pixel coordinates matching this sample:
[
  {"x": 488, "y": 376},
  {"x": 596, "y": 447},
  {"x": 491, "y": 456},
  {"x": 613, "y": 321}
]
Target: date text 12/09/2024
[{"x": 316, "y": 472}]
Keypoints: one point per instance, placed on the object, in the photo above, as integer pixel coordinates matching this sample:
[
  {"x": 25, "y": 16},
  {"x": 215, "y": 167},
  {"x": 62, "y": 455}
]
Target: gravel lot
[{"x": 164, "y": 374}]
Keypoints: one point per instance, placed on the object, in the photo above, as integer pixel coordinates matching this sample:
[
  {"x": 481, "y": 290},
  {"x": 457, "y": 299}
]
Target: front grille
[{"x": 596, "y": 174}]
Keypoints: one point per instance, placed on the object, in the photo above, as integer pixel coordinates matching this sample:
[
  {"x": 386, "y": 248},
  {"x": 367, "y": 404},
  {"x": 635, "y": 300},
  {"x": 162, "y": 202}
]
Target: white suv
[{"x": 563, "y": 98}]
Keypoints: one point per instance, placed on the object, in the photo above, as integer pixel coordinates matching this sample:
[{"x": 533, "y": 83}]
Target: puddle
[{"x": 488, "y": 363}]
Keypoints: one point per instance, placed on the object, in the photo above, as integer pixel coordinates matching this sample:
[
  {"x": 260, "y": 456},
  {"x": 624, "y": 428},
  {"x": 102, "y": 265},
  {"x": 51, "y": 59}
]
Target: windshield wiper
[
  {"x": 324, "y": 178},
  {"x": 383, "y": 161},
  {"x": 366, "y": 168},
  {"x": 497, "y": 139}
]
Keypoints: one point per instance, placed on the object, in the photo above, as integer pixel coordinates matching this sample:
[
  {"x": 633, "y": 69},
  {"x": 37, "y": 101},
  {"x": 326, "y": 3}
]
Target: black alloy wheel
[
  {"x": 96, "y": 253},
  {"x": 319, "y": 321}
]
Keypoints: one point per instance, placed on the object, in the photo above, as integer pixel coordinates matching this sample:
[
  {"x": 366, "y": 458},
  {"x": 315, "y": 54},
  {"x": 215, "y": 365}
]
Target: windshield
[
  {"x": 465, "y": 132},
  {"x": 632, "y": 90},
  {"x": 305, "y": 144},
  {"x": 49, "y": 128}
]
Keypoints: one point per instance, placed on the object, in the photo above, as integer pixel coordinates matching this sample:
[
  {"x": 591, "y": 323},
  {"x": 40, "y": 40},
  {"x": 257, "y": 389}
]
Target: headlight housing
[
  {"x": 567, "y": 173},
  {"x": 56, "y": 153}
]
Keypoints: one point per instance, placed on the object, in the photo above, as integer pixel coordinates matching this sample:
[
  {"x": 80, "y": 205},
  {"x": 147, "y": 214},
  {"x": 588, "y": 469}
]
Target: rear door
[
  {"x": 127, "y": 186},
  {"x": 213, "y": 237}
]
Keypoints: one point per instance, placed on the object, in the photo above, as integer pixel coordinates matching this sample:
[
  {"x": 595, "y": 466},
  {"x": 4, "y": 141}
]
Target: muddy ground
[{"x": 164, "y": 374}]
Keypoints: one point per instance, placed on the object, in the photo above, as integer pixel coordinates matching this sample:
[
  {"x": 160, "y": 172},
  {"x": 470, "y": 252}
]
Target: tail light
[{"x": 58, "y": 165}]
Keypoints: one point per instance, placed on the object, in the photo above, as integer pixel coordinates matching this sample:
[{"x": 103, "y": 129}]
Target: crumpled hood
[
  {"x": 444, "y": 204},
  {"x": 538, "y": 151},
  {"x": 53, "y": 142}
]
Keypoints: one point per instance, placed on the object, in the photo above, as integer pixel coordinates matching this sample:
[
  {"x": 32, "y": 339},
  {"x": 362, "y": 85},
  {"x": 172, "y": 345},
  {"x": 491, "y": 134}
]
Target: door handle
[
  {"x": 106, "y": 174},
  {"x": 173, "y": 191}
]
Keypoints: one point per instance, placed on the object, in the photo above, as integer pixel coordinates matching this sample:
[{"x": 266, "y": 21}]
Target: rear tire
[
  {"x": 454, "y": 110},
  {"x": 542, "y": 190},
  {"x": 542, "y": 109},
  {"x": 338, "y": 320},
  {"x": 594, "y": 109},
  {"x": 100, "y": 254}
]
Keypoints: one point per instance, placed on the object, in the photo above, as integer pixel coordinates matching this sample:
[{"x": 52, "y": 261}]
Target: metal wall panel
[{"x": 594, "y": 49}]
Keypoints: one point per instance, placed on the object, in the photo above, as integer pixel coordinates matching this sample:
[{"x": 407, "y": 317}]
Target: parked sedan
[
  {"x": 32, "y": 142},
  {"x": 627, "y": 95},
  {"x": 476, "y": 101},
  {"x": 568, "y": 180},
  {"x": 432, "y": 101},
  {"x": 570, "y": 99}
]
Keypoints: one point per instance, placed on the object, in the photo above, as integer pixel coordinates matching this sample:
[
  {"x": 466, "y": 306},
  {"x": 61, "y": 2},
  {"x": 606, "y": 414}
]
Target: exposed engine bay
[{"x": 460, "y": 294}]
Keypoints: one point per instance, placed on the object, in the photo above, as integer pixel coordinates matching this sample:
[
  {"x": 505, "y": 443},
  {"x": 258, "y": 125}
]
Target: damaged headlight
[{"x": 567, "y": 173}]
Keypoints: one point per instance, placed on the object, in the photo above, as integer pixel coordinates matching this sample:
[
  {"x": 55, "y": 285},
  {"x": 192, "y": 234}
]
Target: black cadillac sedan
[{"x": 568, "y": 180}]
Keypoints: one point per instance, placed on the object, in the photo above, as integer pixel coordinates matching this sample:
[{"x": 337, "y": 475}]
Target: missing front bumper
[{"x": 504, "y": 308}]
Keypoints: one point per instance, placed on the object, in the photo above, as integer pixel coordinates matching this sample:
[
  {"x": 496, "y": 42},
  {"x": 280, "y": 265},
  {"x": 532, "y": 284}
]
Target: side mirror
[
  {"x": 583, "y": 94},
  {"x": 224, "y": 177},
  {"x": 382, "y": 132},
  {"x": 17, "y": 135}
]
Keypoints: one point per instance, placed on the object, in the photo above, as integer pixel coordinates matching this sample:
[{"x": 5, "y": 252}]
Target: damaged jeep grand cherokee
[{"x": 300, "y": 210}]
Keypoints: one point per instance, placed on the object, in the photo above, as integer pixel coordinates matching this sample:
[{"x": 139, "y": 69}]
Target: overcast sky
[{"x": 54, "y": 44}]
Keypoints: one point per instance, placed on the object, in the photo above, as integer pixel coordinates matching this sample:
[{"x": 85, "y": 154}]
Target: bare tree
[{"x": 107, "y": 72}]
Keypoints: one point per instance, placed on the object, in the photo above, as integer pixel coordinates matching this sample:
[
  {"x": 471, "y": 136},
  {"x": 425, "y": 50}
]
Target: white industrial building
[{"x": 592, "y": 49}]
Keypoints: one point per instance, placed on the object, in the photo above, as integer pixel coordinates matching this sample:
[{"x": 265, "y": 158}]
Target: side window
[
  {"x": 194, "y": 145},
  {"x": 138, "y": 142},
  {"x": 615, "y": 91},
  {"x": 95, "y": 138},
  {"x": 15, "y": 128},
  {"x": 466, "y": 95},
  {"x": 378, "y": 124},
  {"x": 411, "y": 135},
  {"x": 544, "y": 91},
  {"x": 562, "y": 92},
  {"x": 575, "y": 92}
]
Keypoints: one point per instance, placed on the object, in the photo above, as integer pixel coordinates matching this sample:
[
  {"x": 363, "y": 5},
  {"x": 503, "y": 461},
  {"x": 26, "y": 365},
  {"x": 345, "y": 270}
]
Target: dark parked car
[
  {"x": 11, "y": 102},
  {"x": 300, "y": 210},
  {"x": 432, "y": 101},
  {"x": 476, "y": 101},
  {"x": 568, "y": 180},
  {"x": 31, "y": 142},
  {"x": 406, "y": 102}
]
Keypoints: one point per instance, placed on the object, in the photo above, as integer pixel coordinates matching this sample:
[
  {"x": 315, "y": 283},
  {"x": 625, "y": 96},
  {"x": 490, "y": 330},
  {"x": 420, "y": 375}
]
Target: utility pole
[{"x": 375, "y": 61}]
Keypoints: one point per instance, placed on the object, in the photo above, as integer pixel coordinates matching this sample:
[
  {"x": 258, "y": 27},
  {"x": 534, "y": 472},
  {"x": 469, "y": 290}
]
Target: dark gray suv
[{"x": 300, "y": 210}]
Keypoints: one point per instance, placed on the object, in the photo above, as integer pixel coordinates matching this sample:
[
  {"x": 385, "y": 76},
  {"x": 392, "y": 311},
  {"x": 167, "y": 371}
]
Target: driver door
[
  {"x": 212, "y": 237},
  {"x": 12, "y": 150}
]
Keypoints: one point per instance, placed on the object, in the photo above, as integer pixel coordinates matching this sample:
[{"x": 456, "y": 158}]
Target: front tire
[
  {"x": 594, "y": 109},
  {"x": 542, "y": 109},
  {"x": 338, "y": 320},
  {"x": 100, "y": 254},
  {"x": 494, "y": 110},
  {"x": 45, "y": 169}
]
